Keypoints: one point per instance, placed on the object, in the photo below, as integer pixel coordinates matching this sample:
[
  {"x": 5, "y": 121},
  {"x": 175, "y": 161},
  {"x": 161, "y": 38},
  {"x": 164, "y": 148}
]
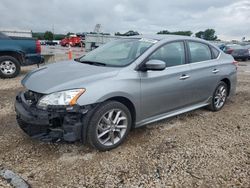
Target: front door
[{"x": 169, "y": 89}]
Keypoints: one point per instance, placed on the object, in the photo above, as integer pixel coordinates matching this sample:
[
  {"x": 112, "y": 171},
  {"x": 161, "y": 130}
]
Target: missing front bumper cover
[{"x": 55, "y": 123}]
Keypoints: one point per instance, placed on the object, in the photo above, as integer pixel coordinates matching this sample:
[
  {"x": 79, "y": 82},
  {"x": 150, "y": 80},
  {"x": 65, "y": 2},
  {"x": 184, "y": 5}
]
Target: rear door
[
  {"x": 204, "y": 74},
  {"x": 169, "y": 89}
]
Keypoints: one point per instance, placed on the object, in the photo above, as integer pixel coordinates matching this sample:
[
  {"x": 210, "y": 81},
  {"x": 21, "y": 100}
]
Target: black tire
[
  {"x": 15, "y": 65},
  {"x": 213, "y": 107},
  {"x": 96, "y": 118}
]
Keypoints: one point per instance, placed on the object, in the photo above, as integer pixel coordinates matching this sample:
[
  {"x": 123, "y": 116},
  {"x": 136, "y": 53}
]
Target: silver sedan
[{"x": 121, "y": 85}]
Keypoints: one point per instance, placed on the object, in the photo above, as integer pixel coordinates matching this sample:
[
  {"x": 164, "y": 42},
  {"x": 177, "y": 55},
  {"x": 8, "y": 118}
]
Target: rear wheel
[
  {"x": 109, "y": 126},
  {"x": 219, "y": 97},
  {"x": 9, "y": 67}
]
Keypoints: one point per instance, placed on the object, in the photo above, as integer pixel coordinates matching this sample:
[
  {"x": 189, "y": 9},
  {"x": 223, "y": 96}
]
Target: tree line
[
  {"x": 48, "y": 35},
  {"x": 208, "y": 34}
]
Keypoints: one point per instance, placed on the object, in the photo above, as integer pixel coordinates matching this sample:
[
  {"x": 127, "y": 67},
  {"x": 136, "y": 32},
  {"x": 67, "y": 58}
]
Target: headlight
[{"x": 68, "y": 97}]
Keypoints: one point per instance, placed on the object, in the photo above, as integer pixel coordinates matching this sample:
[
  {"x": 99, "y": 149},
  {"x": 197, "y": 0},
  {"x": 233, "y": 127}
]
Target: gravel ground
[
  {"x": 4, "y": 184},
  {"x": 197, "y": 149}
]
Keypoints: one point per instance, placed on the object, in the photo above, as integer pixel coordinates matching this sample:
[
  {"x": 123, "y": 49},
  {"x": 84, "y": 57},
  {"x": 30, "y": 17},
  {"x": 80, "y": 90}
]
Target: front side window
[
  {"x": 119, "y": 52},
  {"x": 199, "y": 52},
  {"x": 172, "y": 54}
]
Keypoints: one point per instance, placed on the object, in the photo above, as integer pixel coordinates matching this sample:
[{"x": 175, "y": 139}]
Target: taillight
[
  {"x": 38, "y": 47},
  {"x": 236, "y": 63}
]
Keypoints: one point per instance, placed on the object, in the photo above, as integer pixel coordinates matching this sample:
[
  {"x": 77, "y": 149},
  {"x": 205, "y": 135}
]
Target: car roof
[{"x": 167, "y": 37}]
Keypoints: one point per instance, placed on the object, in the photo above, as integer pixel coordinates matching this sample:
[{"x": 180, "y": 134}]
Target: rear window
[{"x": 199, "y": 52}]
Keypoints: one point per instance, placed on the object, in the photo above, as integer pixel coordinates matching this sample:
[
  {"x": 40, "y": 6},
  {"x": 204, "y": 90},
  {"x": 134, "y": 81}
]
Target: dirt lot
[{"x": 197, "y": 149}]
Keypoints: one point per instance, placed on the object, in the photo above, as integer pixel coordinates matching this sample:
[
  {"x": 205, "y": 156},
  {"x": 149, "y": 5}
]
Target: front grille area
[
  {"x": 32, "y": 130},
  {"x": 32, "y": 97}
]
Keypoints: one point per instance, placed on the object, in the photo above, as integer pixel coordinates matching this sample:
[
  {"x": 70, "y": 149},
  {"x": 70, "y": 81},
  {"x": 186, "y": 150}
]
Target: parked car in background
[
  {"x": 82, "y": 37},
  {"x": 221, "y": 46},
  {"x": 237, "y": 51},
  {"x": 42, "y": 42},
  {"x": 16, "y": 52},
  {"x": 121, "y": 85},
  {"x": 248, "y": 48},
  {"x": 51, "y": 42},
  {"x": 72, "y": 41}
]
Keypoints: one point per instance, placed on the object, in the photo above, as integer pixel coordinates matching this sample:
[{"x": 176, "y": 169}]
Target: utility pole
[{"x": 53, "y": 30}]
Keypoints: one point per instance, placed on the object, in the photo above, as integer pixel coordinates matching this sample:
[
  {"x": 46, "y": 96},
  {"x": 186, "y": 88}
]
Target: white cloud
[
  {"x": 119, "y": 8},
  {"x": 230, "y": 18},
  {"x": 231, "y": 21}
]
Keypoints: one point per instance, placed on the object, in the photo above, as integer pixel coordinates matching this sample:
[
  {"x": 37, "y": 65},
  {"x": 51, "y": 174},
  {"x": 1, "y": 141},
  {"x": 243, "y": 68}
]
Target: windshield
[{"x": 119, "y": 52}]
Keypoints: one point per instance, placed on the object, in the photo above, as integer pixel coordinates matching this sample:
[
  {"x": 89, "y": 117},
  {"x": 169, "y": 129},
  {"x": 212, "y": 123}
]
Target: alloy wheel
[
  {"x": 112, "y": 127},
  {"x": 220, "y": 96}
]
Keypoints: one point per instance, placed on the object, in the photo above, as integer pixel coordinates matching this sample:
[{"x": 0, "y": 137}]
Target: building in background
[{"x": 17, "y": 32}]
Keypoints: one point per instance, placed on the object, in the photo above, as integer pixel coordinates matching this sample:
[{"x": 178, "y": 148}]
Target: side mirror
[{"x": 155, "y": 65}]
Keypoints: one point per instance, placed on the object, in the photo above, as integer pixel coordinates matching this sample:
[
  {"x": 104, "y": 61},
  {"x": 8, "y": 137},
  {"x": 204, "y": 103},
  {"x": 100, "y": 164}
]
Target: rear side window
[
  {"x": 172, "y": 54},
  {"x": 215, "y": 52},
  {"x": 199, "y": 52}
]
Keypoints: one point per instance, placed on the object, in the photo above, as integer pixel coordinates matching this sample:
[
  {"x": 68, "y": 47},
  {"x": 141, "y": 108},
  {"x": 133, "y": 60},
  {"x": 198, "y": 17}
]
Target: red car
[{"x": 72, "y": 41}]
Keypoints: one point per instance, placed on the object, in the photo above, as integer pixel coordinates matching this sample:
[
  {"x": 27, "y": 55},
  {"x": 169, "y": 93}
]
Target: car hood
[{"x": 66, "y": 75}]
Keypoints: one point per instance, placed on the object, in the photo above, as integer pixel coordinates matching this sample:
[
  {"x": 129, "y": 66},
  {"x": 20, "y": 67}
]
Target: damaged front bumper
[{"x": 55, "y": 123}]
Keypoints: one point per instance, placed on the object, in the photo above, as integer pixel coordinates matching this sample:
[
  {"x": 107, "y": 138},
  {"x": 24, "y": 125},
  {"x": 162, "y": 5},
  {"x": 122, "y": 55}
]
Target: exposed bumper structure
[{"x": 55, "y": 123}]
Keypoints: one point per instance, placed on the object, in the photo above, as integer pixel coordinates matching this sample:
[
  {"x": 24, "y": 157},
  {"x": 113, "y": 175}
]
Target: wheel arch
[
  {"x": 128, "y": 103},
  {"x": 228, "y": 83},
  {"x": 17, "y": 55}
]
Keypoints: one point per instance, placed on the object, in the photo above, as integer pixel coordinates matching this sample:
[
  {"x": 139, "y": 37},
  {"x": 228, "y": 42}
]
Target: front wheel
[
  {"x": 109, "y": 125},
  {"x": 219, "y": 97}
]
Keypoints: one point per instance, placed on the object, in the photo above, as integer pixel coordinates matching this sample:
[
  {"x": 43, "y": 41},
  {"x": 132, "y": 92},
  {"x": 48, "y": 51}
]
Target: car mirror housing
[{"x": 155, "y": 65}]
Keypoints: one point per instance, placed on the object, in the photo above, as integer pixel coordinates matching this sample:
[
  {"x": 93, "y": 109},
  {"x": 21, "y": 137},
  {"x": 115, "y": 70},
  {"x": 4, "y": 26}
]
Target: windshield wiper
[{"x": 93, "y": 63}]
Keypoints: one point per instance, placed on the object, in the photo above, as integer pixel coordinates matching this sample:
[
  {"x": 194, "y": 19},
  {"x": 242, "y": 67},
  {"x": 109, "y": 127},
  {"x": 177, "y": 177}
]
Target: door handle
[
  {"x": 184, "y": 77},
  {"x": 215, "y": 71}
]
